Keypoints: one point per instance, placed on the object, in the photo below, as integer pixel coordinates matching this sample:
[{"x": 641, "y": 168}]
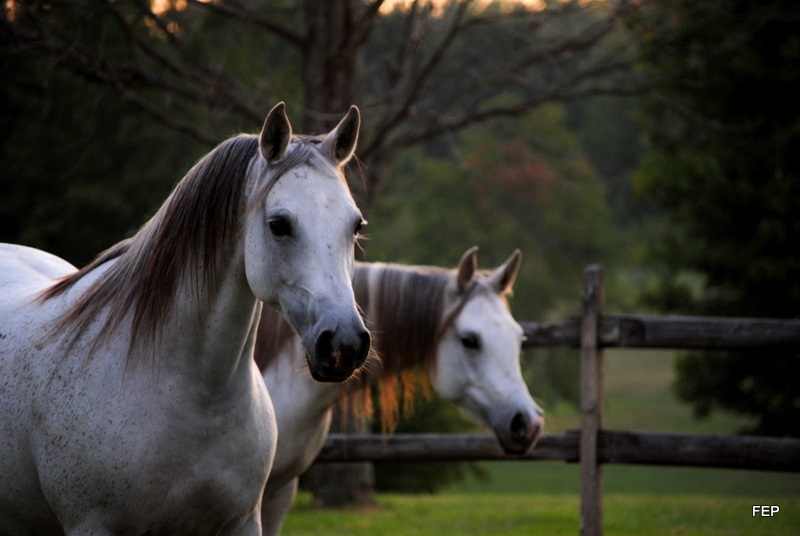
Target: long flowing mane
[
  {"x": 195, "y": 227},
  {"x": 403, "y": 307}
]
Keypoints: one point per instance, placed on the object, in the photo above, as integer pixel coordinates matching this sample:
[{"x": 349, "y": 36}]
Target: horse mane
[
  {"x": 403, "y": 308},
  {"x": 405, "y": 312},
  {"x": 195, "y": 226}
]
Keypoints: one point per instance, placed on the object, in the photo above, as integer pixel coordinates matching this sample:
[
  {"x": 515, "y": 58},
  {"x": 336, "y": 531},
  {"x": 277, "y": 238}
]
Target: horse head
[
  {"x": 478, "y": 359},
  {"x": 300, "y": 239}
]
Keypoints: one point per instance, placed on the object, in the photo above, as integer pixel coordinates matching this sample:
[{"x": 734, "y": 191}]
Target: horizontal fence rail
[
  {"x": 618, "y": 447},
  {"x": 672, "y": 332}
]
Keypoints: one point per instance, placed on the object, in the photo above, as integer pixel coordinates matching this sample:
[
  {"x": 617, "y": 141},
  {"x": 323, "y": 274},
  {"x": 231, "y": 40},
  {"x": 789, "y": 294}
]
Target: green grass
[
  {"x": 541, "y": 498},
  {"x": 550, "y": 515},
  {"x": 638, "y": 396},
  {"x": 559, "y": 478}
]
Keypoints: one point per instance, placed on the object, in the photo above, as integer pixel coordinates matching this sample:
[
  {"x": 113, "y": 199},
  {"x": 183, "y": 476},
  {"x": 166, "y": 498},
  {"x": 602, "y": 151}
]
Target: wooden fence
[{"x": 594, "y": 446}]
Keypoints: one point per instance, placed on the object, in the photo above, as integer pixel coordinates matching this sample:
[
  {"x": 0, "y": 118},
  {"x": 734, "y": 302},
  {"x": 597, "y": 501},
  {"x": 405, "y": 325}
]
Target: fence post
[{"x": 591, "y": 402}]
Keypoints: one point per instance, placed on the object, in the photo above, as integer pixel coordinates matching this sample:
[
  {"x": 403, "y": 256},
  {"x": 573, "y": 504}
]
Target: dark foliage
[{"x": 724, "y": 164}]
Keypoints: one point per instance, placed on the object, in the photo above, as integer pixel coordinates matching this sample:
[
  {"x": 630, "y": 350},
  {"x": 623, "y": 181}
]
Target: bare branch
[
  {"x": 363, "y": 26},
  {"x": 192, "y": 67},
  {"x": 165, "y": 65},
  {"x": 237, "y": 10},
  {"x": 436, "y": 126},
  {"x": 471, "y": 102},
  {"x": 167, "y": 119},
  {"x": 414, "y": 85}
]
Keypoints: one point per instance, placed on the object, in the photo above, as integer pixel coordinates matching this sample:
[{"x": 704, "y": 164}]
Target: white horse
[
  {"x": 452, "y": 325},
  {"x": 130, "y": 403}
]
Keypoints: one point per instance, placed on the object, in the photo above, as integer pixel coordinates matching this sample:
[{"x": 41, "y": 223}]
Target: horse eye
[
  {"x": 471, "y": 341},
  {"x": 280, "y": 226},
  {"x": 359, "y": 226}
]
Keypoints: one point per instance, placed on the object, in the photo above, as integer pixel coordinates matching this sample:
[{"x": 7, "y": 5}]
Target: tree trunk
[
  {"x": 333, "y": 81},
  {"x": 333, "y": 68},
  {"x": 337, "y": 485}
]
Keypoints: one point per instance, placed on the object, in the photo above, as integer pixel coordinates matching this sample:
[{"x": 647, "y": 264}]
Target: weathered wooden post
[{"x": 591, "y": 402}]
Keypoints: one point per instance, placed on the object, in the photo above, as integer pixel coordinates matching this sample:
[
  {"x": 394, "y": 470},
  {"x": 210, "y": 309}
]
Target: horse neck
[
  {"x": 211, "y": 333},
  {"x": 197, "y": 252}
]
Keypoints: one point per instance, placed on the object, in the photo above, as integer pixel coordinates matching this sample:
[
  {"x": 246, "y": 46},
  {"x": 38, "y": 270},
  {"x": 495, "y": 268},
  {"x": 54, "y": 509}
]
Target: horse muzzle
[
  {"x": 519, "y": 431},
  {"x": 338, "y": 353}
]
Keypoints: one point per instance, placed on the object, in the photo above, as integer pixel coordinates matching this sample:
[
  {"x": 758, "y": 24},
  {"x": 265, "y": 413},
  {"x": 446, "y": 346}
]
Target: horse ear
[
  {"x": 340, "y": 143},
  {"x": 467, "y": 267},
  {"x": 276, "y": 134},
  {"x": 502, "y": 279}
]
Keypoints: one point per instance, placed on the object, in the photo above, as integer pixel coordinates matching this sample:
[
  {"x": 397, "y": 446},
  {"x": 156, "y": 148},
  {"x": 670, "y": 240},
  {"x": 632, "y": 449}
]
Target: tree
[
  {"x": 81, "y": 168},
  {"x": 419, "y": 73},
  {"x": 724, "y": 165},
  {"x": 510, "y": 183}
]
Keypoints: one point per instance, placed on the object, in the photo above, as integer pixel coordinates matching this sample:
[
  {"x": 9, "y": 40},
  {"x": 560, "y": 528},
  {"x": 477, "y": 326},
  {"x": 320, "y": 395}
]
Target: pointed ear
[
  {"x": 503, "y": 278},
  {"x": 276, "y": 134},
  {"x": 467, "y": 267},
  {"x": 340, "y": 143}
]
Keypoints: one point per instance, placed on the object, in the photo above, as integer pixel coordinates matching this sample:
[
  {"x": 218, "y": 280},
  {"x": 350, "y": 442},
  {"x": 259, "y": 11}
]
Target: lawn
[
  {"x": 542, "y": 497},
  {"x": 547, "y": 515},
  {"x": 558, "y": 478}
]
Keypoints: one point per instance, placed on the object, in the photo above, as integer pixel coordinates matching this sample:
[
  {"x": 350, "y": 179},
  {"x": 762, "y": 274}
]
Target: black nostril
[
  {"x": 324, "y": 346},
  {"x": 518, "y": 425}
]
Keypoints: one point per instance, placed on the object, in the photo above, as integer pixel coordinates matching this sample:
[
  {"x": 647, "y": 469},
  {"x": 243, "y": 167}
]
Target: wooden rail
[
  {"x": 671, "y": 332},
  {"x": 619, "y": 447}
]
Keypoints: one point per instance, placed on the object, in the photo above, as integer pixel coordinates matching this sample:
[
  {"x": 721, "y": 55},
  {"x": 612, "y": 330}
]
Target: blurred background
[{"x": 659, "y": 138}]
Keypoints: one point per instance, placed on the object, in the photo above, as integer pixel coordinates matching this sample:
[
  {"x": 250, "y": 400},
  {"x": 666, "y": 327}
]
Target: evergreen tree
[
  {"x": 81, "y": 168},
  {"x": 724, "y": 164}
]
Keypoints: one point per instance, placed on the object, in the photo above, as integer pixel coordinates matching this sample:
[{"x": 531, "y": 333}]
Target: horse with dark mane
[{"x": 131, "y": 404}]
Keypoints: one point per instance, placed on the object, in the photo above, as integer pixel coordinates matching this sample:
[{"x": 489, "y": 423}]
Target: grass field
[
  {"x": 534, "y": 498},
  {"x": 546, "y": 515},
  {"x": 557, "y": 478},
  {"x": 638, "y": 394}
]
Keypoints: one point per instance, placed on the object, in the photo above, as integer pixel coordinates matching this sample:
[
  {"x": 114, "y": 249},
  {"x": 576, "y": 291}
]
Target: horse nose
[
  {"x": 339, "y": 354},
  {"x": 525, "y": 428}
]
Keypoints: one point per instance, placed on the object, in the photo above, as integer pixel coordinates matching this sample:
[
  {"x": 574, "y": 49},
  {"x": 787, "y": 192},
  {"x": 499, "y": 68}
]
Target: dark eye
[
  {"x": 471, "y": 341},
  {"x": 360, "y": 224},
  {"x": 280, "y": 226}
]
